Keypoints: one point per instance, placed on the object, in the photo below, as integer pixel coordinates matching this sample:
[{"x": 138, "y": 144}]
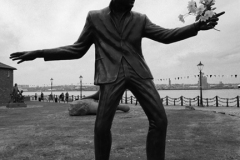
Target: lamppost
[
  {"x": 51, "y": 85},
  {"x": 200, "y": 67},
  {"x": 80, "y": 86}
]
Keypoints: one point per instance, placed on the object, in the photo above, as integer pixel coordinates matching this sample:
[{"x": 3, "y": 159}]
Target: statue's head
[
  {"x": 124, "y": 3},
  {"x": 15, "y": 84}
]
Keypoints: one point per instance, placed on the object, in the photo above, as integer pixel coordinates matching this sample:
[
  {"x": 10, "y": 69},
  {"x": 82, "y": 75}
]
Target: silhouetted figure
[
  {"x": 66, "y": 96},
  {"x": 42, "y": 96}
]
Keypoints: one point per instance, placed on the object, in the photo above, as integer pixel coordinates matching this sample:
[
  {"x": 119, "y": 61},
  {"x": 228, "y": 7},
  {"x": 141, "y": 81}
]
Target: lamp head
[{"x": 200, "y": 66}]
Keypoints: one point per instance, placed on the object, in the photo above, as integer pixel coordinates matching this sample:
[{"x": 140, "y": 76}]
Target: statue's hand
[
  {"x": 209, "y": 24},
  {"x": 25, "y": 56}
]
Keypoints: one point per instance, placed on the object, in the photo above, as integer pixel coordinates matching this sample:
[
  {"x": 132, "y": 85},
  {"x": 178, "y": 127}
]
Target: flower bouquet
[{"x": 202, "y": 12}]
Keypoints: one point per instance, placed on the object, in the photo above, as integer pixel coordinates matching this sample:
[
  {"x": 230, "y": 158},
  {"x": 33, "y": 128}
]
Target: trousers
[{"x": 145, "y": 92}]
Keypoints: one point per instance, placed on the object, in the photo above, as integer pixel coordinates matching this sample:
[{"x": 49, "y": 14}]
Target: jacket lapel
[
  {"x": 111, "y": 27},
  {"x": 128, "y": 24},
  {"x": 108, "y": 22}
]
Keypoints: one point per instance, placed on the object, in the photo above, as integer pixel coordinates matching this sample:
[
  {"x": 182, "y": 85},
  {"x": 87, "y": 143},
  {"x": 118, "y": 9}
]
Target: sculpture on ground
[
  {"x": 117, "y": 33},
  {"x": 89, "y": 105},
  {"x": 16, "y": 98}
]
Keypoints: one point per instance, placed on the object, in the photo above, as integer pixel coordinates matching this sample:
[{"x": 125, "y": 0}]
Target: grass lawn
[{"x": 45, "y": 131}]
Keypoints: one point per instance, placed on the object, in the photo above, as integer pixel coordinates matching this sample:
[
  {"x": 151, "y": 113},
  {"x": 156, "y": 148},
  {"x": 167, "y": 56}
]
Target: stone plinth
[{"x": 16, "y": 105}]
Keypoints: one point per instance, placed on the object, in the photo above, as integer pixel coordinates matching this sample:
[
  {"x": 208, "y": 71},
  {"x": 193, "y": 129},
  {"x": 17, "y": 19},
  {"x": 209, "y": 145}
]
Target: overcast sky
[{"x": 40, "y": 24}]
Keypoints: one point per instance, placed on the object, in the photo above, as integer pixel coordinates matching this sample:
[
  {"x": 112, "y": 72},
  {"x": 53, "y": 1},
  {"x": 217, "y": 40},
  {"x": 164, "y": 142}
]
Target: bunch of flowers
[{"x": 202, "y": 12}]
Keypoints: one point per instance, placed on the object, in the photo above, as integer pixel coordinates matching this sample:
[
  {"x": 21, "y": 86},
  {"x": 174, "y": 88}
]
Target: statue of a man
[
  {"x": 117, "y": 33},
  {"x": 15, "y": 92}
]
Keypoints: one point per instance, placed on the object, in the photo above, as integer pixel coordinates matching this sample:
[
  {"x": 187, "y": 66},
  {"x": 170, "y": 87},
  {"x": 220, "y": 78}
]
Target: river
[{"x": 223, "y": 93}]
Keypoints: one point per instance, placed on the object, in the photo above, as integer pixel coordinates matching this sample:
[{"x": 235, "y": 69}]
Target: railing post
[
  {"x": 237, "y": 101},
  {"x": 227, "y": 102},
  {"x": 181, "y": 100},
  {"x": 167, "y": 101},
  {"x": 72, "y": 98},
  {"x": 216, "y": 101},
  {"x": 174, "y": 101},
  {"x": 198, "y": 101},
  {"x": 190, "y": 102},
  {"x": 126, "y": 100},
  {"x": 131, "y": 99},
  {"x": 207, "y": 102}
]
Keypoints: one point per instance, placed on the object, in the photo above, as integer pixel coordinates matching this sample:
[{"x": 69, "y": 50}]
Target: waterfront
[{"x": 223, "y": 93}]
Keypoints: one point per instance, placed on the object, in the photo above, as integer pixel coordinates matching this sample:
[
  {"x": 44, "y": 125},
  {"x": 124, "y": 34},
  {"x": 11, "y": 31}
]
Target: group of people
[
  {"x": 53, "y": 97},
  {"x": 61, "y": 97}
]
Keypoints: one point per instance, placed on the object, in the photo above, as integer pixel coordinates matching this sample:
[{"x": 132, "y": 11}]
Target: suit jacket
[{"x": 111, "y": 46}]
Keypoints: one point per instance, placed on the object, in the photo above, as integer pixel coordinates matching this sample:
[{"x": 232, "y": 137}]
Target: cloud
[{"x": 33, "y": 24}]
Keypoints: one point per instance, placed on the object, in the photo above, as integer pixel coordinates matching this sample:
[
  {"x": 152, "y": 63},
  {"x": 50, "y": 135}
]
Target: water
[{"x": 223, "y": 93}]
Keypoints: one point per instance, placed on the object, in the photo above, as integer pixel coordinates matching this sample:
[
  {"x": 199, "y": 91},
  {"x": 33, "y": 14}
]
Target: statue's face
[{"x": 126, "y": 3}]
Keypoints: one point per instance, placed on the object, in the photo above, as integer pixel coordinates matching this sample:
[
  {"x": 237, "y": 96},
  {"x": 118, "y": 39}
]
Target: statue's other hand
[
  {"x": 25, "y": 56},
  {"x": 211, "y": 23}
]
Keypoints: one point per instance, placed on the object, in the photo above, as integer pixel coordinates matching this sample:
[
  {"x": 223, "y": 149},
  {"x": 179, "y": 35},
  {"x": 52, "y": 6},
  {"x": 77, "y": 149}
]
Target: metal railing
[
  {"x": 167, "y": 101},
  {"x": 183, "y": 101}
]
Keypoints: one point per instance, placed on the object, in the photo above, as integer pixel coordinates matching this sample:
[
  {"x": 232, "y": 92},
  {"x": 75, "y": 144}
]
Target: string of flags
[{"x": 197, "y": 76}]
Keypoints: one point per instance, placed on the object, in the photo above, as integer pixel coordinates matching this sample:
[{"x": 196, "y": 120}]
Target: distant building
[
  {"x": 6, "y": 82},
  {"x": 205, "y": 84}
]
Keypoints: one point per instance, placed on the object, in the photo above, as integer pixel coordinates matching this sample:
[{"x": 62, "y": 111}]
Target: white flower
[
  {"x": 209, "y": 14},
  {"x": 181, "y": 18},
  {"x": 200, "y": 9},
  {"x": 192, "y": 6},
  {"x": 207, "y": 1},
  {"x": 203, "y": 18}
]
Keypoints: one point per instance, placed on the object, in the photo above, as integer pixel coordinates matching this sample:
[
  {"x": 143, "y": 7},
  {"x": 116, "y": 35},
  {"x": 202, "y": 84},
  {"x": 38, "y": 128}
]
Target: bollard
[
  {"x": 167, "y": 101},
  {"x": 198, "y": 100},
  {"x": 181, "y": 100},
  {"x": 237, "y": 101},
  {"x": 216, "y": 101}
]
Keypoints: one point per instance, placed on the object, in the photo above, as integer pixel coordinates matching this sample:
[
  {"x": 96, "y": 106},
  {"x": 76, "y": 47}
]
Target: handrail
[{"x": 167, "y": 101}]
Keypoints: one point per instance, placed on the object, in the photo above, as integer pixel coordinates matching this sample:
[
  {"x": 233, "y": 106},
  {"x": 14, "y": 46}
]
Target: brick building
[{"x": 6, "y": 82}]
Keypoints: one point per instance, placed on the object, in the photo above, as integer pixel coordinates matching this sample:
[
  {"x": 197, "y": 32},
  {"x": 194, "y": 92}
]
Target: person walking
[{"x": 66, "y": 96}]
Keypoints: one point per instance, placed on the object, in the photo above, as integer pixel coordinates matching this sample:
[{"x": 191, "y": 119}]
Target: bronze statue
[
  {"x": 16, "y": 95},
  {"x": 117, "y": 33},
  {"x": 16, "y": 98}
]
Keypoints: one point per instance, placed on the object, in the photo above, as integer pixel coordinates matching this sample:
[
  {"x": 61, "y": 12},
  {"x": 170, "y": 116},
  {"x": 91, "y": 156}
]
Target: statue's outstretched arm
[{"x": 74, "y": 51}]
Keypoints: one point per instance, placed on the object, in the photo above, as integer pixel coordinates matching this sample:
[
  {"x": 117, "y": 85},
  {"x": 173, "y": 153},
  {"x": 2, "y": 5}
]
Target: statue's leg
[
  {"x": 94, "y": 96},
  {"x": 110, "y": 95},
  {"x": 149, "y": 99}
]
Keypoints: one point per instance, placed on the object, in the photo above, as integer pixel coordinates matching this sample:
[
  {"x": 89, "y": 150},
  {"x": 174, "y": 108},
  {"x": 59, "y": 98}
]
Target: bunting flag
[{"x": 197, "y": 76}]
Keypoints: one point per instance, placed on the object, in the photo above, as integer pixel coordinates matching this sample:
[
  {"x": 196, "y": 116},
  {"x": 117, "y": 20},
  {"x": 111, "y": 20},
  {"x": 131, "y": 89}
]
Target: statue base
[{"x": 16, "y": 105}]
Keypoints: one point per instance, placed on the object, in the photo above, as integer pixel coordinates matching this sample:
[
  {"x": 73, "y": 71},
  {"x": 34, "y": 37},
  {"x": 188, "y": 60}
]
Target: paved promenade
[{"x": 233, "y": 111}]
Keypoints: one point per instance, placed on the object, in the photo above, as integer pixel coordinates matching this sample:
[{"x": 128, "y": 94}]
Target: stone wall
[{"x": 6, "y": 85}]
